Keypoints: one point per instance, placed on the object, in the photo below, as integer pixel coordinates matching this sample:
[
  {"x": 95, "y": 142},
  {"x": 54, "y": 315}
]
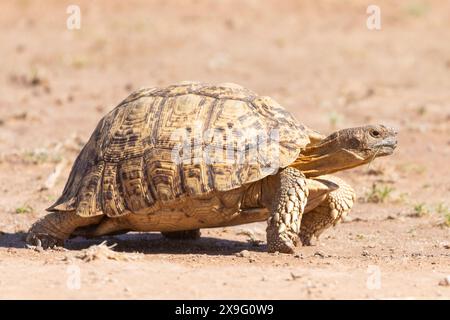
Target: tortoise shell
[{"x": 161, "y": 145}]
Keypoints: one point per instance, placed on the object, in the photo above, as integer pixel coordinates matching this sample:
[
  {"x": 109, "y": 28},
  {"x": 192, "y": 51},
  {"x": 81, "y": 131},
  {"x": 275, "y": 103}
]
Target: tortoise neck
[{"x": 326, "y": 157}]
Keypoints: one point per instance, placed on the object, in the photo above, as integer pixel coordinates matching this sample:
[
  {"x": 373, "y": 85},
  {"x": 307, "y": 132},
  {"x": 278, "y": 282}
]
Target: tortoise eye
[{"x": 375, "y": 133}]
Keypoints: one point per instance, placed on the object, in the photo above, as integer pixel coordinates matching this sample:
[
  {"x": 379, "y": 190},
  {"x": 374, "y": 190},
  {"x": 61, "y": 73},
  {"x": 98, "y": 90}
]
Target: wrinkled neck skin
[{"x": 329, "y": 156}]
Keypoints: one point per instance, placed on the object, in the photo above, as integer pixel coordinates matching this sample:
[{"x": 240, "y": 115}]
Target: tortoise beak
[{"x": 387, "y": 146}]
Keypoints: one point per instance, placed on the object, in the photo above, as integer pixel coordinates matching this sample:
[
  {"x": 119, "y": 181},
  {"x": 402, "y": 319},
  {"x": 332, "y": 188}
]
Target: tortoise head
[{"x": 345, "y": 149}]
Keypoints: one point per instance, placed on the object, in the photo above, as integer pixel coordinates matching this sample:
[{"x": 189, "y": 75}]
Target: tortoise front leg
[
  {"x": 287, "y": 209},
  {"x": 330, "y": 212},
  {"x": 54, "y": 228}
]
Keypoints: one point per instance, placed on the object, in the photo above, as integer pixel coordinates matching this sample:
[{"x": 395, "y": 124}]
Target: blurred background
[{"x": 316, "y": 58}]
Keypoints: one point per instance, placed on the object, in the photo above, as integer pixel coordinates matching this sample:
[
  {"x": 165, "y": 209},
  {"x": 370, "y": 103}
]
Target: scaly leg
[
  {"x": 286, "y": 213},
  {"x": 328, "y": 213},
  {"x": 56, "y": 227}
]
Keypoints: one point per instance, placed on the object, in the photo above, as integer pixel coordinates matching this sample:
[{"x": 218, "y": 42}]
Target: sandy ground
[{"x": 317, "y": 58}]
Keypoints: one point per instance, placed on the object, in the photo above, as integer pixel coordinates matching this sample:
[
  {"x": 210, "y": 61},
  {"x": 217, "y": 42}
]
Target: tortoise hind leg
[
  {"x": 330, "y": 212},
  {"x": 54, "y": 228},
  {"x": 182, "y": 235}
]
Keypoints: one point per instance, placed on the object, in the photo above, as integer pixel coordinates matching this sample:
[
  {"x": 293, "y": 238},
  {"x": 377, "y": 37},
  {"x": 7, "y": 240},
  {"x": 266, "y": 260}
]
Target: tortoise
[{"x": 195, "y": 155}]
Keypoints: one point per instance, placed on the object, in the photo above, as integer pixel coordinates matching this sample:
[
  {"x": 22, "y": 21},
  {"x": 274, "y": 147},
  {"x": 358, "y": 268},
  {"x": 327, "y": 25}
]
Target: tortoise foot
[
  {"x": 43, "y": 240},
  {"x": 283, "y": 243},
  {"x": 281, "y": 246}
]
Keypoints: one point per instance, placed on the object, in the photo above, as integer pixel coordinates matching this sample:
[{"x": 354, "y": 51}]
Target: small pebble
[
  {"x": 445, "y": 282},
  {"x": 243, "y": 254}
]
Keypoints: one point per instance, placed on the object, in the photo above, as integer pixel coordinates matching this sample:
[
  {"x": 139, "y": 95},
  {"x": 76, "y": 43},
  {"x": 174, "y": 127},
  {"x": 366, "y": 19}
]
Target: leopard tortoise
[{"x": 195, "y": 155}]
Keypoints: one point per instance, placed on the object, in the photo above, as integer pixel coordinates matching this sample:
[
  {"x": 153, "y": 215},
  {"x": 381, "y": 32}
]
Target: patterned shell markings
[{"x": 127, "y": 164}]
